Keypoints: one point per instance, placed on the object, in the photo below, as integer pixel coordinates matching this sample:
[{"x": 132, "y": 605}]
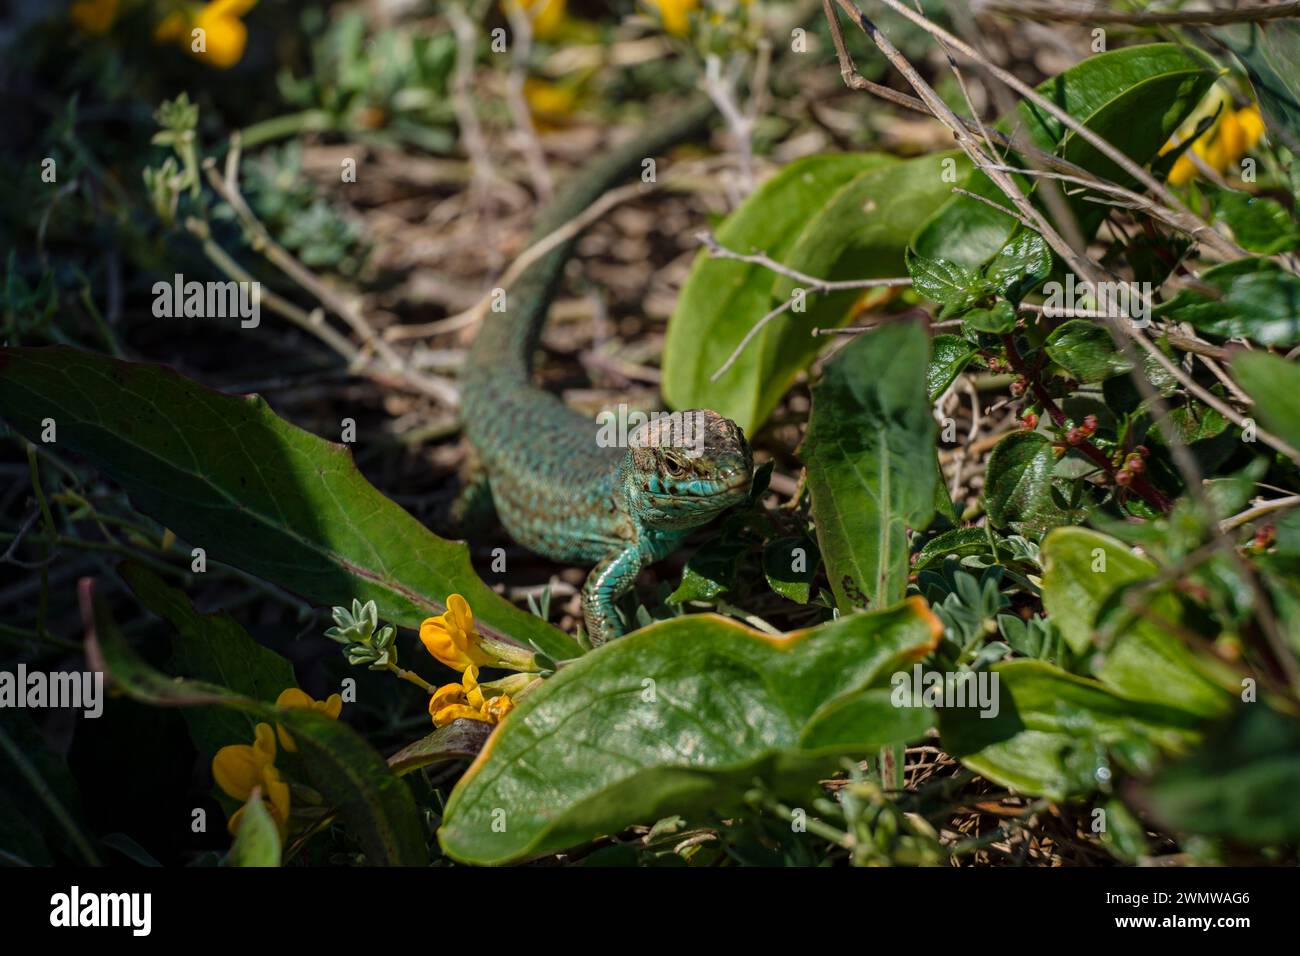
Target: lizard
[{"x": 556, "y": 487}]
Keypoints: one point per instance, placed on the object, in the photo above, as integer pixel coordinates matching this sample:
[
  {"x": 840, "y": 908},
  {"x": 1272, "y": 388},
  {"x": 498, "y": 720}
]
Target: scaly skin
[{"x": 556, "y": 489}]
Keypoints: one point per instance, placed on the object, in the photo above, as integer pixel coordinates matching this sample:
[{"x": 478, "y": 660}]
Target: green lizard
[{"x": 557, "y": 489}]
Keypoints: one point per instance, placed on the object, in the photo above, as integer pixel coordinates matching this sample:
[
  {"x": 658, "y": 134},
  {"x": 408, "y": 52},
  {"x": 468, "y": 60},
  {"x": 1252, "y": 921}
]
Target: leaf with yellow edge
[{"x": 683, "y": 717}]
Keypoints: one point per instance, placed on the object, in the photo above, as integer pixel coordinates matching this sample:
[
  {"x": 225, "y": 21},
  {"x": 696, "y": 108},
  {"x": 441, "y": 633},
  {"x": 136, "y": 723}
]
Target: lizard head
[{"x": 683, "y": 469}]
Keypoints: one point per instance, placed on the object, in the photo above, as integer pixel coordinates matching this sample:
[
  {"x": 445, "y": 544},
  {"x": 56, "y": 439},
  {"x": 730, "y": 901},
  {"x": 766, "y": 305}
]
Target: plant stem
[
  {"x": 413, "y": 677},
  {"x": 1148, "y": 492}
]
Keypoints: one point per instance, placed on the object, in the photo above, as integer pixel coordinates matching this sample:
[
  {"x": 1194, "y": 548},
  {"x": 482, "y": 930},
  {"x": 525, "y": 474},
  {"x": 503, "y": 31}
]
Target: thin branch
[
  {"x": 482, "y": 174},
  {"x": 1023, "y": 220},
  {"x": 1075, "y": 13},
  {"x": 1258, "y": 511},
  {"x": 749, "y": 337},
  {"x": 521, "y": 25},
  {"x": 722, "y": 91},
  {"x": 814, "y": 285},
  {"x": 719, "y": 251}
]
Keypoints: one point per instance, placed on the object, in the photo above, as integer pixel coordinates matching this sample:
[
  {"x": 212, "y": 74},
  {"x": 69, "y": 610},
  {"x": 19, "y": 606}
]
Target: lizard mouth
[{"x": 740, "y": 481}]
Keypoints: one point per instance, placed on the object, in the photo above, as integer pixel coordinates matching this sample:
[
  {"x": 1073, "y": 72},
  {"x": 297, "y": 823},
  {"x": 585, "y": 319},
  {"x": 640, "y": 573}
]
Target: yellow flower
[
  {"x": 291, "y": 698},
  {"x": 224, "y": 34},
  {"x": 1221, "y": 147},
  {"x": 549, "y": 101},
  {"x": 547, "y": 15},
  {"x": 467, "y": 700},
  {"x": 95, "y": 17},
  {"x": 240, "y": 768},
  {"x": 675, "y": 14},
  {"x": 452, "y": 638}
]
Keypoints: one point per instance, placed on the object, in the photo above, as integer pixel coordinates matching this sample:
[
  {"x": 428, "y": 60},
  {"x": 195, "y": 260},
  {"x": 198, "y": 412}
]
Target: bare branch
[{"x": 1076, "y": 13}]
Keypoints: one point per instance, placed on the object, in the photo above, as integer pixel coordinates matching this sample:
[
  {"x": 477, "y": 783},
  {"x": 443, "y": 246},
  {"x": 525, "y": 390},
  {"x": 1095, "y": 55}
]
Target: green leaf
[
  {"x": 258, "y": 841},
  {"x": 1018, "y": 482},
  {"x": 1020, "y": 266},
  {"x": 949, "y": 356},
  {"x": 998, "y": 320},
  {"x": 723, "y": 298},
  {"x": 709, "y": 572},
  {"x": 1269, "y": 52},
  {"x": 950, "y": 284},
  {"x": 961, "y": 542},
  {"x": 869, "y": 451},
  {"x": 1058, "y": 735},
  {"x": 1086, "y": 351},
  {"x": 1241, "y": 785},
  {"x": 227, "y": 475},
  {"x": 1125, "y": 836},
  {"x": 1259, "y": 224},
  {"x": 1274, "y": 384},
  {"x": 1161, "y": 82},
  {"x": 680, "y": 717},
  {"x": 790, "y": 564},
  {"x": 375, "y": 804},
  {"x": 461, "y": 739},
  {"x": 862, "y": 231},
  {"x": 1084, "y": 573},
  {"x": 1259, "y": 301},
  {"x": 213, "y": 647}
]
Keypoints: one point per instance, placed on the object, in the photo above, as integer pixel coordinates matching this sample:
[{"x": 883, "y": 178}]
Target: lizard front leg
[{"x": 609, "y": 580}]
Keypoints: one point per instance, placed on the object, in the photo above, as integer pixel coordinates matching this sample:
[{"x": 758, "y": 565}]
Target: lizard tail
[{"x": 501, "y": 355}]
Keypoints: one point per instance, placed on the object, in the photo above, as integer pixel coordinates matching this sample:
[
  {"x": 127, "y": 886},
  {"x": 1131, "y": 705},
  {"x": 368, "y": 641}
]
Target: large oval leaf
[
  {"x": 228, "y": 475},
  {"x": 1054, "y": 734},
  {"x": 871, "y": 462},
  {"x": 1084, "y": 573},
  {"x": 682, "y": 717},
  {"x": 724, "y": 298}
]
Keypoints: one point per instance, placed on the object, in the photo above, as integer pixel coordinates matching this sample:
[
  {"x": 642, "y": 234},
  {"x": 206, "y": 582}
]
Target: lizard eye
[{"x": 674, "y": 468}]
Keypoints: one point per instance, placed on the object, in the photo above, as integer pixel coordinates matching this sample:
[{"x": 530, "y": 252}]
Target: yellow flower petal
[
  {"x": 439, "y": 641},
  {"x": 1230, "y": 144},
  {"x": 446, "y": 696},
  {"x": 291, "y": 698},
  {"x": 264, "y": 743},
  {"x": 237, "y": 769},
  {"x": 451, "y": 637},
  {"x": 1252, "y": 124},
  {"x": 445, "y": 716},
  {"x": 224, "y": 35},
  {"x": 674, "y": 14},
  {"x": 277, "y": 795},
  {"x": 497, "y": 708},
  {"x": 1184, "y": 172},
  {"x": 460, "y": 614},
  {"x": 546, "y": 15}
]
